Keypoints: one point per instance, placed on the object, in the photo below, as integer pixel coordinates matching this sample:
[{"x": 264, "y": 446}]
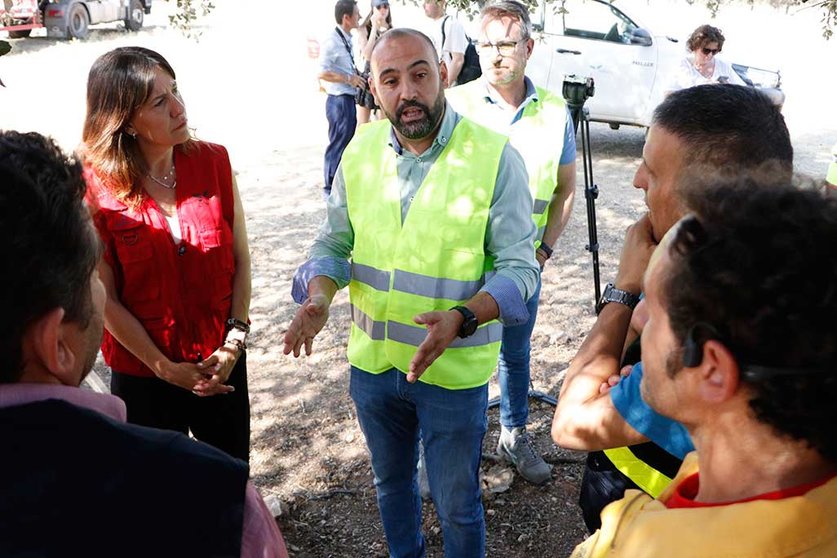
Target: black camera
[
  {"x": 364, "y": 97},
  {"x": 577, "y": 89}
]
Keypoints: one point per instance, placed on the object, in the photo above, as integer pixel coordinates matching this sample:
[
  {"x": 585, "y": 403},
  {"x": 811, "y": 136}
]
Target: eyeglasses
[
  {"x": 712, "y": 51},
  {"x": 504, "y": 48}
]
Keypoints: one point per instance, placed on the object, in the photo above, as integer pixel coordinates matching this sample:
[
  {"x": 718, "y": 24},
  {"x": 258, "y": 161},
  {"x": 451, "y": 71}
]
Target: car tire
[
  {"x": 20, "y": 34},
  {"x": 78, "y": 22},
  {"x": 136, "y": 16}
]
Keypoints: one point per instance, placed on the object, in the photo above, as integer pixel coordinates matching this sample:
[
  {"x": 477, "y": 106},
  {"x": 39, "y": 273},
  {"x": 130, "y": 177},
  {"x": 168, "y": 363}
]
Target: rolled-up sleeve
[
  {"x": 329, "y": 254},
  {"x": 510, "y": 240}
]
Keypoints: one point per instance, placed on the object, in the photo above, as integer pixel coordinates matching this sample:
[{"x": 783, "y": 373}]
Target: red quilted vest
[{"x": 180, "y": 293}]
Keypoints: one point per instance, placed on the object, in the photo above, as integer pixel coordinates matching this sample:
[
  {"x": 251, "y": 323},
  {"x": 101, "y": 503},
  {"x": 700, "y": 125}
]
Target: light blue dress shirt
[{"x": 334, "y": 57}]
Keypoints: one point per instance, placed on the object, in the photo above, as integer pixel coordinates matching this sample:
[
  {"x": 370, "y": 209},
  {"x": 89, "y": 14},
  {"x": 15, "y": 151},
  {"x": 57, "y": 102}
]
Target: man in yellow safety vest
[{"x": 429, "y": 224}]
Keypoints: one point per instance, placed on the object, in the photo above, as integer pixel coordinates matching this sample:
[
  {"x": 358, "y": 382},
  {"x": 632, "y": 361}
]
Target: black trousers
[{"x": 222, "y": 421}]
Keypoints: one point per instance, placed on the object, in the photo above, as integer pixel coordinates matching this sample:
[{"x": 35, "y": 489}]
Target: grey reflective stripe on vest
[
  {"x": 540, "y": 206},
  {"x": 412, "y": 335},
  {"x": 375, "y": 330},
  {"x": 541, "y": 230},
  {"x": 435, "y": 287},
  {"x": 375, "y": 278}
]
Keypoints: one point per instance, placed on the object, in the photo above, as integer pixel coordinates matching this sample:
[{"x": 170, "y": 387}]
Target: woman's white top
[
  {"x": 174, "y": 226},
  {"x": 687, "y": 75}
]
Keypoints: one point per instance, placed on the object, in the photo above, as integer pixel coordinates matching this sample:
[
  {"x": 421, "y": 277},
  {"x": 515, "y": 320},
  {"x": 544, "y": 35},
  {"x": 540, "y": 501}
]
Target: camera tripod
[{"x": 591, "y": 191}]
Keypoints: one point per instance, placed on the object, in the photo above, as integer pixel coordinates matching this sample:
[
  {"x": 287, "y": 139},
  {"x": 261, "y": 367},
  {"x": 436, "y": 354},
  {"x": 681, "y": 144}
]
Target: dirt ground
[{"x": 249, "y": 85}]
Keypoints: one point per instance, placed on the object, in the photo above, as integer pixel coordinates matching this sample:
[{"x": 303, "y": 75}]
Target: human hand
[
  {"x": 356, "y": 81},
  {"x": 541, "y": 257},
  {"x": 615, "y": 379},
  {"x": 218, "y": 368},
  {"x": 182, "y": 374},
  {"x": 636, "y": 253},
  {"x": 442, "y": 329},
  {"x": 307, "y": 323}
]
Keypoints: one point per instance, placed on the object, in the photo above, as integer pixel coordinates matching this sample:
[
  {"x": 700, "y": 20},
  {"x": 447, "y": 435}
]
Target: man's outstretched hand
[
  {"x": 309, "y": 320},
  {"x": 442, "y": 328}
]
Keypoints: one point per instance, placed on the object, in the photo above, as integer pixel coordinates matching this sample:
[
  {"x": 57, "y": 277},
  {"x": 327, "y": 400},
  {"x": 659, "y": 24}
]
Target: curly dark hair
[
  {"x": 51, "y": 247},
  {"x": 704, "y": 35},
  {"x": 759, "y": 265}
]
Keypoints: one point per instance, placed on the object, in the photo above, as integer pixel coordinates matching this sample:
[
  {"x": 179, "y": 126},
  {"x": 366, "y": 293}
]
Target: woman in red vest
[{"x": 175, "y": 264}]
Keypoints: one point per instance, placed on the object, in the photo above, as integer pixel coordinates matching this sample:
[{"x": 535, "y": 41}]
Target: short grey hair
[{"x": 509, "y": 8}]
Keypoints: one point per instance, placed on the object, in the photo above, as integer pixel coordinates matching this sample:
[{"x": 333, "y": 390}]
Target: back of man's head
[
  {"x": 50, "y": 246},
  {"x": 343, "y": 8},
  {"x": 728, "y": 126},
  {"x": 756, "y": 268}
]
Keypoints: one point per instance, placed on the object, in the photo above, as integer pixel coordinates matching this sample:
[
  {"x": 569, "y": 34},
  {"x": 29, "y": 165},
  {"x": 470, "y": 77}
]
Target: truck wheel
[
  {"x": 21, "y": 34},
  {"x": 136, "y": 15},
  {"x": 78, "y": 22}
]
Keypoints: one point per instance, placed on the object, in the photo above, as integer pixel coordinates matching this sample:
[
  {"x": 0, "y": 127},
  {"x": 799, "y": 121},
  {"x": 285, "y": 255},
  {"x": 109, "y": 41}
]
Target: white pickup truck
[{"x": 630, "y": 63}]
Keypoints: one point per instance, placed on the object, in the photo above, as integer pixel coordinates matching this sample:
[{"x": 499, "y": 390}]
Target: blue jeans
[
  {"x": 342, "y": 121},
  {"x": 392, "y": 415},
  {"x": 513, "y": 367}
]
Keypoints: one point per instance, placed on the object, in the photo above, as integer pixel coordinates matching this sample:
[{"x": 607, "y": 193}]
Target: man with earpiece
[{"x": 738, "y": 347}]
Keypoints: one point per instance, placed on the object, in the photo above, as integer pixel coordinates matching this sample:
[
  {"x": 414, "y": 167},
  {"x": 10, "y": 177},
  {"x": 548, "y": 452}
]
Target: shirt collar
[
  {"x": 12, "y": 395},
  {"x": 449, "y": 121},
  {"x": 493, "y": 98}
]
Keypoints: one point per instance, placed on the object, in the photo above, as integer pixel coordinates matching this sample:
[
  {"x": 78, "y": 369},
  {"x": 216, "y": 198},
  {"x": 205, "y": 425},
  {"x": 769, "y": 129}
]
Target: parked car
[
  {"x": 630, "y": 63},
  {"x": 68, "y": 19}
]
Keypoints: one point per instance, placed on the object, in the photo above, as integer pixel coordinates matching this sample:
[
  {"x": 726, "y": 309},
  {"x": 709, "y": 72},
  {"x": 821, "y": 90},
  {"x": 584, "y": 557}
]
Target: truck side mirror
[{"x": 641, "y": 37}]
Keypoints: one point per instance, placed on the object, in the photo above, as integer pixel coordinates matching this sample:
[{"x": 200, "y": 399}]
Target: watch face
[{"x": 468, "y": 327}]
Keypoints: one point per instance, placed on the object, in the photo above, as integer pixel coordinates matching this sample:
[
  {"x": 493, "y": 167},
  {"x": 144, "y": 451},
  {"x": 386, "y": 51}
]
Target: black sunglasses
[{"x": 708, "y": 51}]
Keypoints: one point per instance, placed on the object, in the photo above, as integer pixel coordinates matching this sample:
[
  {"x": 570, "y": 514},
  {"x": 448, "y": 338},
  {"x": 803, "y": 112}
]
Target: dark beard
[{"x": 422, "y": 128}]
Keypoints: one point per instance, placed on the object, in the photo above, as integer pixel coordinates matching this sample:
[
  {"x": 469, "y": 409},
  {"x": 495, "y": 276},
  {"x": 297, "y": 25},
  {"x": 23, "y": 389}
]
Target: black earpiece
[{"x": 693, "y": 348}]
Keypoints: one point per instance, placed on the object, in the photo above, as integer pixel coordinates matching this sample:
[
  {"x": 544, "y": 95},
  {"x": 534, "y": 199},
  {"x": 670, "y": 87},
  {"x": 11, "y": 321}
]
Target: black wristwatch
[
  {"x": 612, "y": 294},
  {"x": 469, "y": 324}
]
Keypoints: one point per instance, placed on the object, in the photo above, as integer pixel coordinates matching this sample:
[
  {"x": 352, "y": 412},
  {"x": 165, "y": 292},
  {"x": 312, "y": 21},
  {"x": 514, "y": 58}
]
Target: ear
[
  {"x": 443, "y": 72},
  {"x": 719, "y": 373},
  {"x": 372, "y": 88},
  {"x": 530, "y": 46},
  {"x": 48, "y": 340}
]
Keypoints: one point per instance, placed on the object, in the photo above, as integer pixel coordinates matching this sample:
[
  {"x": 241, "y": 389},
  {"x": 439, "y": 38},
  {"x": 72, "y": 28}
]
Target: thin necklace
[{"x": 168, "y": 176}]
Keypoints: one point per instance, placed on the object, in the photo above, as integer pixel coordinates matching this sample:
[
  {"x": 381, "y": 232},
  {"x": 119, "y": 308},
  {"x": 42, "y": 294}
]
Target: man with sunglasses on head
[
  {"x": 739, "y": 346},
  {"x": 539, "y": 126},
  {"x": 699, "y": 129}
]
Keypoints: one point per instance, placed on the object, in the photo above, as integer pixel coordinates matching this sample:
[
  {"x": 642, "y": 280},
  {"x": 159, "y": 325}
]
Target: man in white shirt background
[{"x": 448, "y": 36}]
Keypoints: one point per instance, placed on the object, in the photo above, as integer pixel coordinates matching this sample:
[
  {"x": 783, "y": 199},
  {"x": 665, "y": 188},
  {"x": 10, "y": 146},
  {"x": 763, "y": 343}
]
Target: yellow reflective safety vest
[
  {"x": 538, "y": 135},
  {"x": 798, "y": 526},
  {"x": 640, "y": 471},
  {"x": 434, "y": 260}
]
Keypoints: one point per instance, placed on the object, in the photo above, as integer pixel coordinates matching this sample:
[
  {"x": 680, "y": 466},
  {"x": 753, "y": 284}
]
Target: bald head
[{"x": 385, "y": 46}]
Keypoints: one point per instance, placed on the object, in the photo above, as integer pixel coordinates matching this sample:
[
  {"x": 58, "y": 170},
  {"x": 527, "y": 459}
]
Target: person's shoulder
[{"x": 203, "y": 150}]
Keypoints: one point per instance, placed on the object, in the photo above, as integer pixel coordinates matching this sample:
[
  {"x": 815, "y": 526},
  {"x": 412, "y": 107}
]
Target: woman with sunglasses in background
[
  {"x": 701, "y": 65},
  {"x": 370, "y": 30}
]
